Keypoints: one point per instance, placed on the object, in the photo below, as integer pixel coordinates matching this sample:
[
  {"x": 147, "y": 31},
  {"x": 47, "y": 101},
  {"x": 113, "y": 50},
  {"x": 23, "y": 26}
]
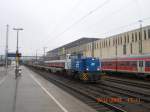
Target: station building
[
  {"x": 134, "y": 42},
  {"x": 75, "y": 47}
]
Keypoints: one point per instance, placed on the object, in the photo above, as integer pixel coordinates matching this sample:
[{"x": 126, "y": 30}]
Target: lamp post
[
  {"x": 6, "y": 50},
  {"x": 36, "y": 55},
  {"x": 17, "y": 50},
  {"x": 44, "y": 48}
]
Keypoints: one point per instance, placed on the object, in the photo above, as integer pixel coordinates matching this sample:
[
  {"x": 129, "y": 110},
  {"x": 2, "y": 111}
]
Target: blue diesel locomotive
[{"x": 86, "y": 69}]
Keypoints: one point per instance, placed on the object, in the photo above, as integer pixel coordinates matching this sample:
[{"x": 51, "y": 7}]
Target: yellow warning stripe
[{"x": 84, "y": 76}]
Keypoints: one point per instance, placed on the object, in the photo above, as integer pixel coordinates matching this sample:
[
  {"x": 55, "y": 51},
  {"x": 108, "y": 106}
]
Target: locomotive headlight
[
  {"x": 87, "y": 69},
  {"x": 98, "y": 69}
]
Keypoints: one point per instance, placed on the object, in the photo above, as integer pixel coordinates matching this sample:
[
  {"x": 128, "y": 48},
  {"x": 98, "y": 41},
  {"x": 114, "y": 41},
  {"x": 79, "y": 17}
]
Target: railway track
[
  {"x": 89, "y": 93},
  {"x": 127, "y": 91},
  {"x": 81, "y": 93},
  {"x": 129, "y": 82}
]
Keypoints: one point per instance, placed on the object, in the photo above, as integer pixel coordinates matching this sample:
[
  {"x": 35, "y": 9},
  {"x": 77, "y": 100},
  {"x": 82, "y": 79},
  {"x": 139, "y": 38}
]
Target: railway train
[
  {"x": 87, "y": 69},
  {"x": 133, "y": 66},
  {"x": 117, "y": 52}
]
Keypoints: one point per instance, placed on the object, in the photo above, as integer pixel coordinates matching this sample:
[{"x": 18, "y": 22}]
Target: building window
[
  {"x": 125, "y": 39},
  {"x": 124, "y": 49},
  {"x": 131, "y": 48},
  {"x": 90, "y": 47},
  {"x": 144, "y": 34},
  {"x": 135, "y": 36},
  {"x": 100, "y": 44},
  {"x": 120, "y": 40},
  {"x": 113, "y": 42},
  {"x": 106, "y": 43},
  {"x": 103, "y": 44},
  {"x": 96, "y": 46},
  {"x": 116, "y": 41},
  {"x": 140, "y": 36},
  {"x": 149, "y": 33},
  {"x": 132, "y": 37}
]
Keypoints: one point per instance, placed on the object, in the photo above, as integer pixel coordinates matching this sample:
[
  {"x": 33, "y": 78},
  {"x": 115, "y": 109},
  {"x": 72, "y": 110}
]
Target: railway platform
[{"x": 32, "y": 93}]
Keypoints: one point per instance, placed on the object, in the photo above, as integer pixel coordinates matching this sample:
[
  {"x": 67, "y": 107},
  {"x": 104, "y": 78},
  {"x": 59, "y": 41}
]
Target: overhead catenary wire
[
  {"x": 128, "y": 25},
  {"x": 69, "y": 14},
  {"x": 121, "y": 27},
  {"x": 91, "y": 12},
  {"x": 113, "y": 12},
  {"x": 82, "y": 18},
  {"x": 88, "y": 14}
]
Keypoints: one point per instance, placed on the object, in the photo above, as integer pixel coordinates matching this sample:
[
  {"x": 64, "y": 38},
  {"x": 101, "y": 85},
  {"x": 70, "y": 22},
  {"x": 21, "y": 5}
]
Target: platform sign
[{"x": 13, "y": 55}]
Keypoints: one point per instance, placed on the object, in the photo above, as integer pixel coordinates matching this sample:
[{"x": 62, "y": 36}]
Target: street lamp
[
  {"x": 17, "y": 50},
  {"x": 44, "y": 48},
  {"x": 6, "y": 50}
]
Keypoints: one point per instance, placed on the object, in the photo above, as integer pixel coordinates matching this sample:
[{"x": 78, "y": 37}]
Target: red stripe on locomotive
[{"x": 61, "y": 65}]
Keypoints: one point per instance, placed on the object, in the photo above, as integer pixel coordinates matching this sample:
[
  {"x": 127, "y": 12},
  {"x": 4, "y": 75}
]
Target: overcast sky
[{"x": 52, "y": 23}]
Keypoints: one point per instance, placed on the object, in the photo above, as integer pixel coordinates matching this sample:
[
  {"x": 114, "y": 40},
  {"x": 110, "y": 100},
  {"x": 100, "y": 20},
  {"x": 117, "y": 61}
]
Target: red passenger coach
[{"x": 139, "y": 65}]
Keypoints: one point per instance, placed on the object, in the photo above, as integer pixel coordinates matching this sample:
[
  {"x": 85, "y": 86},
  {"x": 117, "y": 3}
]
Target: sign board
[{"x": 13, "y": 54}]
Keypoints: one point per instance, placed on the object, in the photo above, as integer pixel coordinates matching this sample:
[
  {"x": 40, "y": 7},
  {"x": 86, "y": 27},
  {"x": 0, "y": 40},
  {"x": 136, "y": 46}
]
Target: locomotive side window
[
  {"x": 140, "y": 63},
  {"x": 147, "y": 64}
]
